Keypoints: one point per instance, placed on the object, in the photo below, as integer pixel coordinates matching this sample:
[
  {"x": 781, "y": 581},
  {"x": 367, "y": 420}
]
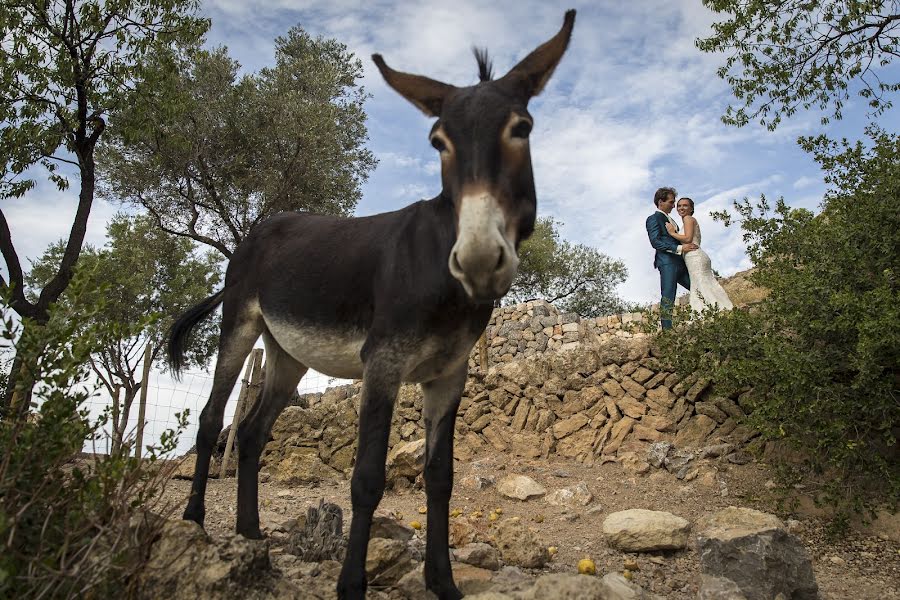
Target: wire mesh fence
[{"x": 167, "y": 397}]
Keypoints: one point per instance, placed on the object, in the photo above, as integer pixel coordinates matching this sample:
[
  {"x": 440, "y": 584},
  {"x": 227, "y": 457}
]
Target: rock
[
  {"x": 740, "y": 457},
  {"x": 407, "y": 460},
  {"x": 753, "y": 550},
  {"x": 476, "y": 482},
  {"x": 658, "y": 452},
  {"x": 184, "y": 562},
  {"x": 302, "y": 465},
  {"x": 616, "y": 587},
  {"x": 563, "y": 428},
  {"x": 519, "y": 546},
  {"x": 461, "y": 533},
  {"x": 566, "y": 586},
  {"x": 679, "y": 463},
  {"x": 387, "y": 561},
  {"x": 479, "y": 555},
  {"x": 520, "y": 487},
  {"x": 715, "y": 451},
  {"x": 574, "y": 496},
  {"x": 322, "y": 536},
  {"x": 639, "y": 530},
  {"x": 695, "y": 432},
  {"x": 633, "y": 464},
  {"x": 389, "y": 528},
  {"x": 471, "y": 579},
  {"x": 719, "y": 588}
]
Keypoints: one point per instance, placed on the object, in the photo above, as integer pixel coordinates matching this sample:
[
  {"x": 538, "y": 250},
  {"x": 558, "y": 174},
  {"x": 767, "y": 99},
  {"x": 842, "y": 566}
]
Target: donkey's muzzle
[{"x": 483, "y": 260}]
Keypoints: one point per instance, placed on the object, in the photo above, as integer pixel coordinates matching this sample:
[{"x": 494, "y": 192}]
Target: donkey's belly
[{"x": 333, "y": 352}]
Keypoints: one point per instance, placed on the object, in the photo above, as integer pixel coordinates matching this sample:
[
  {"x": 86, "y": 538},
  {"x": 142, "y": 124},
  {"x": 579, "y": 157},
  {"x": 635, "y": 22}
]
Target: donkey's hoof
[{"x": 251, "y": 533}]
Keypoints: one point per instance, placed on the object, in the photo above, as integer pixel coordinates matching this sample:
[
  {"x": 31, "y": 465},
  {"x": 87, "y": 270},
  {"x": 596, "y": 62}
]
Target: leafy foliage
[
  {"x": 230, "y": 151},
  {"x": 70, "y": 526},
  {"x": 802, "y": 54},
  {"x": 64, "y": 68},
  {"x": 147, "y": 277},
  {"x": 574, "y": 277},
  {"x": 819, "y": 357}
]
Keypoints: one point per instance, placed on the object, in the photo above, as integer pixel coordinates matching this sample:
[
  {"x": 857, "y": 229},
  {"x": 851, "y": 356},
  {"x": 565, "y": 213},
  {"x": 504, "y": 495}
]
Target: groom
[{"x": 669, "y": 253}]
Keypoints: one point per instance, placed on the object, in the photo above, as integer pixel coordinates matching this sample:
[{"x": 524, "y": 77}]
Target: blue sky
[{"x": 633, "y": 106}]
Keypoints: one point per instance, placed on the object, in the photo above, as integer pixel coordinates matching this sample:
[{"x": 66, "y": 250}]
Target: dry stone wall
[{"x": 589, "y": 390}]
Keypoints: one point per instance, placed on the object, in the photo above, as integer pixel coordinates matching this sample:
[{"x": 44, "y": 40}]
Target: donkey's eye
[
  {"x": 521, "y": 129},
  {"x": 438, "y": 144}
]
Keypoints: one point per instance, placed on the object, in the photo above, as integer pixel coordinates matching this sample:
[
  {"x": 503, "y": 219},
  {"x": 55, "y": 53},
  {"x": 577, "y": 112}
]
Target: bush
[
  {"x": 819, "y": 356},
  {"x": 70, "y": 526}
]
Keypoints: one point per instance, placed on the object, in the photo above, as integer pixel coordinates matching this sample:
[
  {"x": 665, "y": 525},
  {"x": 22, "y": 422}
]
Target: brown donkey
[{"x": 394, "y": 297}]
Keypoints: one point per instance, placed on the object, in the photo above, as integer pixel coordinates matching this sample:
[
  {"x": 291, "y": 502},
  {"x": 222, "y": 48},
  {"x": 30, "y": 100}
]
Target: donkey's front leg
[
  {"x": 381, "y": 380},
  {"x": 441, "y": 403}
]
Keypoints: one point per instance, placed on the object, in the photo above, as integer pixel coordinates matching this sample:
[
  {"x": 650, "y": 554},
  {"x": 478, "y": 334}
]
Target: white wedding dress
[{"x": 705, "y": 290}]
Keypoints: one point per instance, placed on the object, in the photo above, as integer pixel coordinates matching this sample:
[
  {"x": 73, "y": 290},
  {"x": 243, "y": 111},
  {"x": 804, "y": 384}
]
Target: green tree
[
  {"x": 236, "y": 150},
  {"x": 574, "y": 277},
  {"x": 65, "y": 67},
  {"x": 147, "y": 277},
  {"x": 820, "y": 355},
  {"x": 804, "y": 53}
]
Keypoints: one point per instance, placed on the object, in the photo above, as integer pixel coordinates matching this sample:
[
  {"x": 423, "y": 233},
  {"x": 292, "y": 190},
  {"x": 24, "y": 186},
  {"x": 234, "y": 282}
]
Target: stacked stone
[
  {"x": 530, "y": 328},
  {"x": 589, "y": 403}
]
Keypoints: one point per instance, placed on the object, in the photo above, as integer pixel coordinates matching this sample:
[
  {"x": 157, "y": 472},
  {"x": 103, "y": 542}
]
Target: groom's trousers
[{"x": 670, "y": 277}]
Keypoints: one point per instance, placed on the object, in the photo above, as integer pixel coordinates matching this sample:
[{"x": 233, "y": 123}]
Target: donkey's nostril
[{"x": 454, "y": 263}]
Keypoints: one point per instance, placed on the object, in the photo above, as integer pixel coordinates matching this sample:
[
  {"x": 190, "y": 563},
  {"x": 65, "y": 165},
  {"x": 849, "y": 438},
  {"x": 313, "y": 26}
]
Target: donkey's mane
[{"x": 485, "y": 65}]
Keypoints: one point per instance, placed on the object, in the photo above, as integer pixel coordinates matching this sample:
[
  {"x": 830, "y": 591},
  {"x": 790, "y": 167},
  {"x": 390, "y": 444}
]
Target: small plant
[{"x": 71, "y": 525}]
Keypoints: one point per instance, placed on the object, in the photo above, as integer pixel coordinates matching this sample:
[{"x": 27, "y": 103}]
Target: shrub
[
  {"x": 70, "y": 526},
  {"x": 819, "y": 356}
]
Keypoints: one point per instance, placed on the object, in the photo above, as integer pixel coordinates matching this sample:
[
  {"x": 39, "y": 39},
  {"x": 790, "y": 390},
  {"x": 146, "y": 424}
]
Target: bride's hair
[{"x": 691, "y": 202}]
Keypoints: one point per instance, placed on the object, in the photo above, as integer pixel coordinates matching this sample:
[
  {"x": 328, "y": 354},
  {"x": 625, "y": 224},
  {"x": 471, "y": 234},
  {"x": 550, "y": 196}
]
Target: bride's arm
[{"x": 688, "y": 235}]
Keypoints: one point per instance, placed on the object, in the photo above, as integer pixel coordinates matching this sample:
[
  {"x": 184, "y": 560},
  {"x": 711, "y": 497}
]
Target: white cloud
[{"x": 805, "y": 182}]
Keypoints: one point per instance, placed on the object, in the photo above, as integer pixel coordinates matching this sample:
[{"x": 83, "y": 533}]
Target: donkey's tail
[{"x": 182, "y": 327}]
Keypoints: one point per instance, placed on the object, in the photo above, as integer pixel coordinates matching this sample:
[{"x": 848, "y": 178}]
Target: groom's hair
[{"x": 663, "y": 193}]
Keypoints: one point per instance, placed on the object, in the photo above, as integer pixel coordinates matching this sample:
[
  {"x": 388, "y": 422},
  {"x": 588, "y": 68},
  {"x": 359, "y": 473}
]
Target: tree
[
  {"x": 65, "y": 67},
  {"x": 147, "y": 278},
  {"x": 236, "y": 150},
  {"x": 820, "y": 355},
  {"x": 803, "y": 53},
  {"x": 575, "y": 277}
]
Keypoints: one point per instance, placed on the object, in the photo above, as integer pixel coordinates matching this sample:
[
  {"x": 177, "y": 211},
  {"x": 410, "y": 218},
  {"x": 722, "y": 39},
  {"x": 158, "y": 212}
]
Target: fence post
[
  {"x": 142, "y": 406},
  {"x": 251, "y": 369},
  {"x": 116, "y": 440}
]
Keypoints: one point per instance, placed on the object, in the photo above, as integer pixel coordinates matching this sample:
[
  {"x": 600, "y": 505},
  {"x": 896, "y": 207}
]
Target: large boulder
[
  {"x": 407, "y": 460},
  {"x": 639, "y": 530},
  {"x": 754, "y": 551}
]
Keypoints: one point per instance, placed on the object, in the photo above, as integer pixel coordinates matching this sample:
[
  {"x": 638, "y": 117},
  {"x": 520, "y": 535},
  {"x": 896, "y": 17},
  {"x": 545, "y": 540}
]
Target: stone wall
[{"x": 589, "y": 390}]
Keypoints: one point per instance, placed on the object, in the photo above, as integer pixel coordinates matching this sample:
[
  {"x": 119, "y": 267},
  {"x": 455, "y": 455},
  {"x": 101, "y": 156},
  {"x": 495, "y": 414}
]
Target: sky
[{"x": 632, "y": 106}]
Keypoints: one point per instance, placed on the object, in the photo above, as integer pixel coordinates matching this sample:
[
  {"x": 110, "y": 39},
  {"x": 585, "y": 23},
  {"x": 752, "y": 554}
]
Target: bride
[{"x": 705, "y": 290}]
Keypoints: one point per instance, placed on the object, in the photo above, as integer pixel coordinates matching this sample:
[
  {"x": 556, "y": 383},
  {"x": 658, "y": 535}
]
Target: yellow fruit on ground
[
  {"x": 552, "y": 550},
  {"x": 415, "y": 525},
  {"x": 493, "y": 516},
  {"x": 627, "y": 575},
  {"x": 477, "y": 514},
  {"x": 499, "y": 511},
  {"x": 423, "y": 510},
  {"x": 455, "y": 512},
  {"x": 587, "y": 567},
  {"x": 538, "y": 518}
]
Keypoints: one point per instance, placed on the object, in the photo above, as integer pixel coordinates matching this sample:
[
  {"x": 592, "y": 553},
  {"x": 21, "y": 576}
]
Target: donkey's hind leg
[
  {"x": 283, "y": 373},
  {"x": 236, "y": 340}
]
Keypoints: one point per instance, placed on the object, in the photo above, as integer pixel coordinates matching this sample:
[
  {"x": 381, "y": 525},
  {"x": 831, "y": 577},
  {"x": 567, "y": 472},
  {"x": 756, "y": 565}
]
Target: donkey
[{"x": 394, "y": 297}]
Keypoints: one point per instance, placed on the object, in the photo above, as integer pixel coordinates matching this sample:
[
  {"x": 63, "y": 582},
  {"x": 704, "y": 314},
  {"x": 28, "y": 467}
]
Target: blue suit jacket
[{"x": 666, "y": 246}]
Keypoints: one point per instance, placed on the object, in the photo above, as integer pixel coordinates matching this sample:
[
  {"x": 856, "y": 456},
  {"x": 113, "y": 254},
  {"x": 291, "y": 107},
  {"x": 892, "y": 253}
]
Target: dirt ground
[{"x": 860, "y": 566}]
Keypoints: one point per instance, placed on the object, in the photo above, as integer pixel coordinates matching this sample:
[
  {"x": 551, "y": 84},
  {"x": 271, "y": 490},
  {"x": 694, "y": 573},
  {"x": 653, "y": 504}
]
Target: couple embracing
[{"x": 680, "y": 259}]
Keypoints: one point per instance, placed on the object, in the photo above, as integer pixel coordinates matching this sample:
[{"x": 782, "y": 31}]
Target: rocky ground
[{"x": 863, "y": 565}]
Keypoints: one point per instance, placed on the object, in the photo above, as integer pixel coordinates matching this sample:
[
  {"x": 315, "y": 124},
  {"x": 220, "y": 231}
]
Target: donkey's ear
[
  {"x": 427, "y": 94},
  {"x": 535, "y": 69}
]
